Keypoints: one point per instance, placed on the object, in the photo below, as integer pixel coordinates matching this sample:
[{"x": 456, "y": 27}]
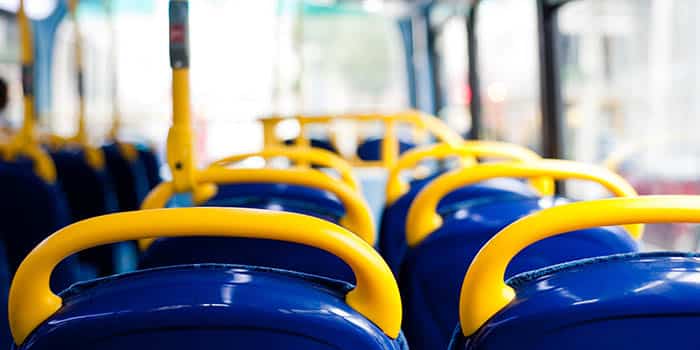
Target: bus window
[
  {"x": 249, "y": 59},
  {"x": 508, "y": 67},
  {"x": 631, "y": 87},
  {"x": 453, "y": 68},
  {"x": 231, "y": 72},
  {"x": 352, "y": 60}
]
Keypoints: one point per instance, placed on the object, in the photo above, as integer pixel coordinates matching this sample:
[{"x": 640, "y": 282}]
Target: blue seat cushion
[
  {"x": 432, "y": 273},
  {"x": 392, "y": 240},
  {"x": 258, "y": 252},
  {"x": 630, "y": 301},
  {"x": 31, "y": 210},
  {"x": 209, "y": 307},
  {"x": 371, "y": 149},
  {"x": 130, "y": 178}
]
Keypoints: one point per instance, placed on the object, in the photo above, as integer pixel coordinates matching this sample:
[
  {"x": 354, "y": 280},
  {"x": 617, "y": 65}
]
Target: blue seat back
[
  {"x": 5, "y": 337},
  {"x": 632, "y": 301},
  {"x": 258, "y": 252},
  {"x": 392, "y": 239},
  {"x": 129, "y": 176},
  {"x": 432, "y": 272},
  {"x": 89, "y": 193},
  {"x": 30, "y": 210},
  {"x": 151, "y": 165},
  {"x": 209, "y": 307},
  {"x": 316, "y": 143},
  {"x": 371, "y": 149}
]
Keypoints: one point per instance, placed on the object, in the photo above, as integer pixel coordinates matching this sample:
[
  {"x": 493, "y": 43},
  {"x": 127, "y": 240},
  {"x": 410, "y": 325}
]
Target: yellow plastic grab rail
[
  {"x": 468, "y": 151},
  {"x": 423, "y": 218},
  {"x": 358, "y": 215},
  {"x": 32, "y": 302},
  {"x": 315, "y": 156},
  {"x": 484, "y": 293},
  {"x": 390, "y": 145}
]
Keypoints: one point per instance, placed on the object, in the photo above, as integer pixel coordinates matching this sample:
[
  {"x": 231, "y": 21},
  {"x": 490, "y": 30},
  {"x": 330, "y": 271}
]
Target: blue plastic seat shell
[
  {"x": 640, "y": 301},
  {"x": 218, "y": 305}
]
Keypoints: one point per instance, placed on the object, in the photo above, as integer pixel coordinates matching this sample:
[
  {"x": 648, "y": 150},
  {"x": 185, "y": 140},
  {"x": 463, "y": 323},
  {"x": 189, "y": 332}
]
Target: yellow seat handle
[
  {"x": 423, "y": 218},
  {"x": 315, "y": 156},
  {"x": 358, "y": 215},
  {"x": 484, "y": 293},
  {"x": 32, "y": 302},
  {"x": 389, "y": 148},
  {"x": 468, "y": 151}
]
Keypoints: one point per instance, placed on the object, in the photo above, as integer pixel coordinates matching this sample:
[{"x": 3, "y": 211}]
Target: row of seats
[
  {"x": 292, "y": 258},
  {"x": 264, "y": 280},
  {"x": 48, "y": 182}
]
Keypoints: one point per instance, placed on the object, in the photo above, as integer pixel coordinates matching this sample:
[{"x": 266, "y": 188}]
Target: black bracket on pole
[{"x": 179, "y": 34}]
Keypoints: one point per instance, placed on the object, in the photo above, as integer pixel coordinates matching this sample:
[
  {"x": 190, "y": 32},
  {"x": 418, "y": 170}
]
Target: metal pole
[
  {"x": 550, "y": 85},
  {"x": 407, "y": 38},
  {"x": 473, "y": 74},
  {"x": 434, "y": 63},
  {"x": 550, "y": 81}
]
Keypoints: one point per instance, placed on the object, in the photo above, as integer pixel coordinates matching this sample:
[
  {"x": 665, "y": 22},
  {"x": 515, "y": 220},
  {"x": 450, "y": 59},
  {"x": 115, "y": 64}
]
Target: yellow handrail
[
  {"x": 25, "y": 142},
  {"x": 32, "y": 302},
  {"x": 468, "y": 151},
  {"x": 315, "y": 156},
  {"x": 390, "y": 143},
  {"x": 423, "y": 218},
  {"x": 358, "y": 215},
  {"x": 484, "y": 293}
]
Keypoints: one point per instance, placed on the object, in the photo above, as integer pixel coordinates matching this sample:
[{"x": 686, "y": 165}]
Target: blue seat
[
  {"x": 208, "y": 306},
  {"x": 5, "y": 337},
  {"x": 89, "y": 193},
  {"x": 316, "y": 143},
  {"x": 30, "y": 210},
  {"x": 392, "y": 239},
  {"x": 434, "y": 270},
  {"x": 371, "y": 149},
  {"x": 630, "y": 301},
  {"x": 274, "y": 254},
  {"x": 129, "y": 176},
  {"x": 151, "y": 165}
]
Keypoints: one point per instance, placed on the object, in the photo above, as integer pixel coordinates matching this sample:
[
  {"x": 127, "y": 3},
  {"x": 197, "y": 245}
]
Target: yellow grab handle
[
  {"x": 417, "y": 119},
  {"x": 358, "y": 215},
  {"x": 32, "y": 302},
  {"x": 468, "y": 151},
  {"x": 484, "y": 293},
  {"x": 423, "y": 218},
  {"x": 311, "y": 155}
]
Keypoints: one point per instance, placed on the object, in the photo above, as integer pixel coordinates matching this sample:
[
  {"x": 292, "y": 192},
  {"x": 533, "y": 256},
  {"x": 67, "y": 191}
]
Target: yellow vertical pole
[
  {"x": 180, "y": 140},
  {"x": 27, "y": 60},
  {"x": 81, "y": 135},
  {"x": 269, "y": 132},
  {"x": 303, "y": 140},
  {"x": 114, "y": 88},
  {"x": 390, "y": 143}
]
